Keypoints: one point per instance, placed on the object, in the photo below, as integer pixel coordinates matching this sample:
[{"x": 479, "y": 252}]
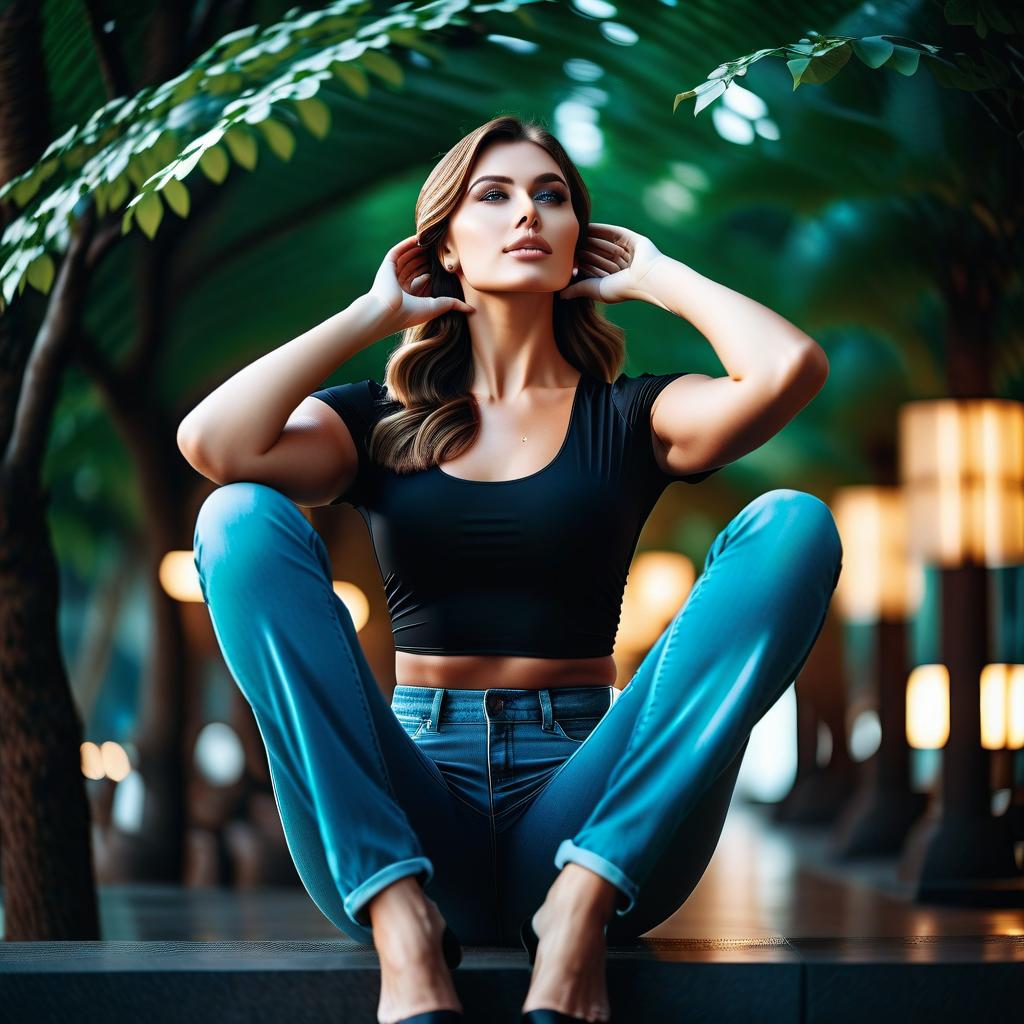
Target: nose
[{"x": 532, "y": 215}]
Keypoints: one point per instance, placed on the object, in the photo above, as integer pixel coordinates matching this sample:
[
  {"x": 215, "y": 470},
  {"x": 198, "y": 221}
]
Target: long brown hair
[{"x": 430, "y": 372}]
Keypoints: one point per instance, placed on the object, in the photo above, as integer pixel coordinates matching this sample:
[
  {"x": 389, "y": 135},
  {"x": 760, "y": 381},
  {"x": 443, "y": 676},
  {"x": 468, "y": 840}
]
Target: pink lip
[{"x": 527, "y": 254}]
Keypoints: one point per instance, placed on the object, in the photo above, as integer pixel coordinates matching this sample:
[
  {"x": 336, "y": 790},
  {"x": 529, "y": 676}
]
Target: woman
[{"x": 505, "y": 471}]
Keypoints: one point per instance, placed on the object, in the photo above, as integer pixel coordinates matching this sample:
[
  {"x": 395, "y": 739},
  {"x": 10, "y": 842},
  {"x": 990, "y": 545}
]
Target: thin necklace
[{"x": 523, "y": 438}]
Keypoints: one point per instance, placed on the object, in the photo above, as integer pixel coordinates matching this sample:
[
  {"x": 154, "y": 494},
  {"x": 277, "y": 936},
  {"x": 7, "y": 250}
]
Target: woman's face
[{"x": 533, "y": 199}]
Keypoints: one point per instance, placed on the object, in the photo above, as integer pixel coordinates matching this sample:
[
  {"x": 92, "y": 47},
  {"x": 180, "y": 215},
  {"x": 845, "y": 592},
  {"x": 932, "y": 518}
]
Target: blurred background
[{"x": 150, "y": 250}]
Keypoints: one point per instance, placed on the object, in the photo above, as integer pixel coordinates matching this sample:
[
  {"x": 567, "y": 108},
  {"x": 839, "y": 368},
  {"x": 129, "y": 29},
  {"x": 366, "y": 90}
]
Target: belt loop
[
  {"x": 545, "y": 710},
  {"x": 435, "y": 709}
]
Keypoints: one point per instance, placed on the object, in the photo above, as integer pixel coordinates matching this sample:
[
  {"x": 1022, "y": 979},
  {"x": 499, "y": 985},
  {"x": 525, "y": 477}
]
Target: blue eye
[{"x": 497, "y": 192}]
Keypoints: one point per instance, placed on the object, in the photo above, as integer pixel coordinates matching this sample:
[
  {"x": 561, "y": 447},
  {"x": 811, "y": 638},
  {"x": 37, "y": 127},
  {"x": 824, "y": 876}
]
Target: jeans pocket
[
  {"x": 576, "y": 730},
  {"x": 412, "y": 725}
]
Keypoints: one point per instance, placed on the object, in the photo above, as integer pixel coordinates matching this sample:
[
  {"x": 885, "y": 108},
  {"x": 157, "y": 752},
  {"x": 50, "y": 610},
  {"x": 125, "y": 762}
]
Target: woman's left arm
[{"x": 774, "y": 369}]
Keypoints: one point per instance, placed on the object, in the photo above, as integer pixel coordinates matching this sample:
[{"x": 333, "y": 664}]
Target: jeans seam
[
  {"x": 492, "y": 827},
  {"x": 312, "y": 538},
  {"x": 442, "y": 782},
  {"x": 551, "y": 778}
]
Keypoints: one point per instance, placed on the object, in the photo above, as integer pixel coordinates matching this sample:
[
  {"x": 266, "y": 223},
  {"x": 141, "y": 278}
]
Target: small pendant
[{"x": 524, "y": 439}]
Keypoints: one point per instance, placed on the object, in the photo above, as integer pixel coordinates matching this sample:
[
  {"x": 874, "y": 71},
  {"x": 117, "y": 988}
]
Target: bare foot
[
  {"x": 568, "y": 974},
  {"x": 414, "y": 977}
]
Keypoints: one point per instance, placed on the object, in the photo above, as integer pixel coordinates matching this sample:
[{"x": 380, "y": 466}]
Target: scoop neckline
[{"x": 529, "y": 476}]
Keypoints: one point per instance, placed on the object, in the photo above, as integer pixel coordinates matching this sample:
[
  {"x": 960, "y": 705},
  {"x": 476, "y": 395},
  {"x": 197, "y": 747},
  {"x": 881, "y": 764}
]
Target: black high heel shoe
[
  {"x": 530, "y": 941},
  {"x": 452, "y": 957}
]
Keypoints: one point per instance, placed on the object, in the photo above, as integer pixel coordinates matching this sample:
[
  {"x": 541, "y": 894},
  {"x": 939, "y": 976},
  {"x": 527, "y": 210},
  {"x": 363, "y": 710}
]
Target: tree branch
[
  {"x": 49, "y": 355},
  {"x": 108, "y": 48}
]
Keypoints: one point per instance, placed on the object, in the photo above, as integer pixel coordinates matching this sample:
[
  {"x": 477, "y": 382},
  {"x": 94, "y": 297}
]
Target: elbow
[
  {"x": 808, "y": 370},
  {"x": 183, "y": 439},
  {"x": 197, "y": 457},
  {"x": 816, "y": 354},
  {"x": 188, "y": 443},
  {"x": 821, "y": 367}
]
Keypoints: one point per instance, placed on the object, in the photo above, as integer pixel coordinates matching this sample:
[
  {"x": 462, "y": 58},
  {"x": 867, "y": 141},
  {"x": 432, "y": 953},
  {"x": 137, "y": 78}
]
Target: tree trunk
[
  {"x": 47, "y": 868},
  {"x": 44, "y": 812}
]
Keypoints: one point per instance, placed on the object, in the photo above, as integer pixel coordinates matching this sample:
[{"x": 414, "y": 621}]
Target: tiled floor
[{"x": 773, "y": 932}]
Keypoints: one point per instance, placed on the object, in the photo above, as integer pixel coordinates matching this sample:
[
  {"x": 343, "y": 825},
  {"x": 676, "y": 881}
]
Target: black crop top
[{"x": 534, "y": 566}]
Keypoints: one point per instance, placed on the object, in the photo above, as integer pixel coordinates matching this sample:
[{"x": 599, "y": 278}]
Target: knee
[
  {"x": 803, "y": 518},
  {"x": 235, "y": 516}
]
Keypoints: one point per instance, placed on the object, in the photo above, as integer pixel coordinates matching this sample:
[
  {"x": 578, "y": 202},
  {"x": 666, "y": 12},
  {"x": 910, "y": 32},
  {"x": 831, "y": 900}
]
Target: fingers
[
  {"x": 399, "y": 249},
  {"x": 408, "y": 255},
  {"x": 411, "y": 267},
  {"x": 610, "y": 231},
  {"x": 605, "y": 246},
  {"x": 602, "y": 264},
  {"x": 411, "y": 256}
]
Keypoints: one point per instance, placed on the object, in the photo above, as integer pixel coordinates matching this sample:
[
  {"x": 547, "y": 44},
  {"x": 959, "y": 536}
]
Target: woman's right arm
[
  {"x": 263, "y": 424},
  {"x": 245, "y": 415}
]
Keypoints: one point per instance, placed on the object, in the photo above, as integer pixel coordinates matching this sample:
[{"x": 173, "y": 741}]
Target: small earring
[
  {"x": 575, "y": 269},
  {"x": 450, "y": 266}
]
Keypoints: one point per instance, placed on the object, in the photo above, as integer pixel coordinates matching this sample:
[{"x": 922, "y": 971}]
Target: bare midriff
[{"x": 487, "y": 671}]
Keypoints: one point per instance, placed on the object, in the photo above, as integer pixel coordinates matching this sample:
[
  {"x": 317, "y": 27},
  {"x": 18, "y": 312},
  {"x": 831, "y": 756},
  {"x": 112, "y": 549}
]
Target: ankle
[
  {"x": 581, "y": 893},
  {"x": 406, "y": 923}
]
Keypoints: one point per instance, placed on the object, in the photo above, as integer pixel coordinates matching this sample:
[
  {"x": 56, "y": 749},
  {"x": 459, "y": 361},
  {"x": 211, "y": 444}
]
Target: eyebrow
[{"x": 510, "y": 181}]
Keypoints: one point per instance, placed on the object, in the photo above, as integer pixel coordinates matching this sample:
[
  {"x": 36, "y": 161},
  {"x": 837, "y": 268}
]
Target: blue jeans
[{"x": 484, "y": 794}]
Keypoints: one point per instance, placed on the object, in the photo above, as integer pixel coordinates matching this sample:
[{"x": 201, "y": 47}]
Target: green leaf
[
  {"x": 118, "y": 192},
  {"x": 214, "y": 164},
  {"x": 315, "y": 115},
  {"x": 874, "y": 51},
  {"x": 279, "y": 138},
  {"x": 183, "y": 168},
  {"x": 258, "y": 111},
  {"x": 384, "y": 67},
  {"x": 242, "y": 146},
  {"x": 708, "y": 95},
  {"x": 353, "y": 76},
  {"x": 176, "y": 196},
  {"x": 41, "y": 272},
  {"x": 904, "y": 60},
  {"x": 824, "y": 67},
  {"x": 797, "y": 67},
  {"x": 413, "y": 41},
  {"x": 26, "y": 188},
  {"x": 149, "y": 213},
  {"x": 11, "y": 285},
  {"x": 237, "y": 41}
]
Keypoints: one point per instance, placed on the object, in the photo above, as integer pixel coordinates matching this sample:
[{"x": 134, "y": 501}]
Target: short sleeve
[
  {"x": 359, "y": 404},
  {"x": 634, "y": 398}
]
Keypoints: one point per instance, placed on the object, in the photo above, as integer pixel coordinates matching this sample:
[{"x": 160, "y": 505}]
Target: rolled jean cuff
[
  {"x": 569, "y": 851},
  {"x": 363, "y": 893}
]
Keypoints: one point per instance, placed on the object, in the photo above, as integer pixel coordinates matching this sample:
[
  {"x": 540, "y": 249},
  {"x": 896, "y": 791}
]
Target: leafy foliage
[
  {"x": 254, "y": 85},
  {"x": 816, "y": 58}
]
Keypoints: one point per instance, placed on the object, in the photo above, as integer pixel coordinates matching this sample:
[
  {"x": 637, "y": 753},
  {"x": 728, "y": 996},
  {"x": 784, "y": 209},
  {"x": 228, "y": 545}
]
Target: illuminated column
[
  {"x": 880, "y": 586},
  {"x": 962, "y": 464},
  {"x": 658, "y": 585},
  {"x": 1008, "y": 648}
]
